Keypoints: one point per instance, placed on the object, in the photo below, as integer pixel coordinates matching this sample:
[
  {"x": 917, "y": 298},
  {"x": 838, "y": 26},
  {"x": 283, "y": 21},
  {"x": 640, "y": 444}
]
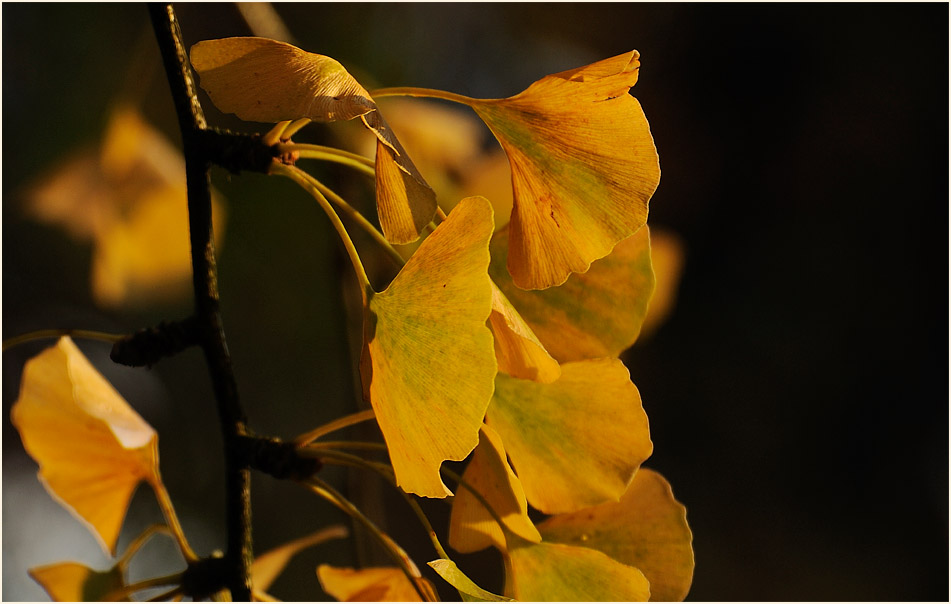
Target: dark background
[{"x": 798, "y": 393}]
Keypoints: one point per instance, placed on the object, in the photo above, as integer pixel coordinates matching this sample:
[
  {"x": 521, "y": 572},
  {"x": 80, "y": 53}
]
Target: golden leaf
[
  {"x": 74, "y": 582},
  {"x": 379, "y": 584},
  {"x": 668, "y": 255},
  {"x": 552, "y": 572},
  {"x": 575, "y": 442},
  {"x": 517, "y": 349},
  {"x": 269, "y": 565},
  {"x": 646, "y": 529},
  {"x": 583, "y": 168},
  {"x": 471, "y": 526},
  {"x": 428, "y": 355},
  {"x": 592, "y": 315},
  {"x": 467, "y": 588},
  {"x": 93, "y": 449}
]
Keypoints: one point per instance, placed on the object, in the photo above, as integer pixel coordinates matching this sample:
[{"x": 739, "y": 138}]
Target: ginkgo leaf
[
  {"x": 264, "y": 80},
  {"x": 517, "y": 349},
  {"x": 471, "y": 526},
  {"x": 668, "y": 255},
  {"x": 269, "y": 565},
  {"x": 379, "y": 584},
  {"x": 575, "y": 442},
  {"x": 553, "y": 572},
  {"x": 429, "y": 358},
  {"x": 646, "y": 529},
  {"x": 467, "y": 588},
  {"x": 583, "y": 163},
  {"x": 592, "y": 315},
  {"x": 93, "y": 449},
  {"x": 74, "y": 582}
]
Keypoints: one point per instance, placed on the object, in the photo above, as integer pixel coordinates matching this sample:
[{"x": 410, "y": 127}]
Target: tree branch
[{"x": 191, "y": 120}]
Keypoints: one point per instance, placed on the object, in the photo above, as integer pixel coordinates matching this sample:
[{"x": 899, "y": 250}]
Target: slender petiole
[
  {"x": 140, "y": 541},
  {"x": 126, "y": 590},
  {"x": 479, "y": 497},
  {"x": 42, "y": 334},
  {"x": 168, "y": 510},
  {"x": 275, "y": 134},
  {"x": 361, "y": 272},
  {"x": 353, "y": 160},
  {"x": 295, "y": 127},
  {"x": 333, "y": 496},
  {"x": 431, "y": 93},
  {"x": 338, "y": 424}
]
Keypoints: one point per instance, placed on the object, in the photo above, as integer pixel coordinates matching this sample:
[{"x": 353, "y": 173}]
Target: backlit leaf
[
  {"x": 429, "y": 357},
  {"x": 646, "y": 529},
  {"x": 552, "y": 572},
  {"x": 575, "y": 442},
  {"x": 471, "y": 526},
  {"x": 583, "y": 168},
  {"x": 269, "y": 565},
  {"x": 93, "y": 449},
  {"x": 470, "y": 592},
  {"x": 380, "y": 584},
  {"x": 668, "y": 255},
  {"x": 74, "y": 582},
  {"x": 517, "y": 349},
  {"x": 592, "y": 315}
]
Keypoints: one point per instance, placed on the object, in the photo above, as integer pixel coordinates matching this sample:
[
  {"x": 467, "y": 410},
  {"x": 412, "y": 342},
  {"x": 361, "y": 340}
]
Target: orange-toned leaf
[
  {"x": 93, "y": 449},
  {"x": 575, "y": 442},
  {"x": 471, "y": 526},
  {"x": 583, "y": 168},
  {"x": 379, "y": 584},
  {"x": 467, "y": 588},
  {"x": 646, "y": 529},
  {"x": 269, "y": 565},
  {"x": 668, "y": 254},
  {"x": 592, "y": 315},
  {"x": 263, "y": 80},
  {"x": 517, "y": 349},
  {"x": 428, "y": 355},
  {"x": 552, "y": 572},
  {"x": 74, "y": 582}
]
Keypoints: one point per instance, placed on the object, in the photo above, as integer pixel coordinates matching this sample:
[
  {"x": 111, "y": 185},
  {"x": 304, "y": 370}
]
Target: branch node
[
  {"x": 147, "y": 346},
  {"x": 205, "y": 577},
  {"x": 276, "y": 458}
]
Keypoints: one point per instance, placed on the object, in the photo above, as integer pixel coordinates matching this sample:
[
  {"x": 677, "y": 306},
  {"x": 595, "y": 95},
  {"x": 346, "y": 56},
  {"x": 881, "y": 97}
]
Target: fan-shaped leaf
[
  {"x": 469, "y": 591},
  {"x": 74, "y": 582},
  {"x": 517, "y": 349},
  {"x": 575, "y": 442},
  {"x": 269, "y": 565},
  {"x": 380, "y": 584}
]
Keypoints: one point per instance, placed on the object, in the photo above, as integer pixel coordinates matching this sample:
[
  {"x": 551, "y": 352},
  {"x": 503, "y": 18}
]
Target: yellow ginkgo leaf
[
  {"x": 517, "y": 349},
  {"x": 264, "y": 80},
  {"x": 668, "y": 254},
  {"x": 379, "y": 584},
  {"x": 93, "y": 449},
  {"x": 575, "y": 442},
  {"x": 471, "y": 526},
  {"x": 646, "y": 529},
  {"x": 592, "y": 315},
  {"x": 467, "y": 588},
  {"x": 269, "y": 565},
  {"x": 583, "y": 163},
  {"x": 553, "y": 572},
  {"x": 74, "y": 582},
  {"x": 429, "y": 358}
]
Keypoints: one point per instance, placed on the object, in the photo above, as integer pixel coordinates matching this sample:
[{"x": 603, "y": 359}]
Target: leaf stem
[
  {"x": 295, "y": 127},
  {"x": 139, "y": 541},
  {"x": 479, "y": 497},
  {"x": 41, "y": 334},
  {"x": 168, "y": 510},
  {"x": 354, "y": 160},
  {"x": 274, "y": 135},
  {"x": 361, "y": 273},
  {"x": 338, "y": 424},
  {"x": 431, "y": 93},
  {"x": 333, "y": 496},
  {"x": 126, "y": 590}
]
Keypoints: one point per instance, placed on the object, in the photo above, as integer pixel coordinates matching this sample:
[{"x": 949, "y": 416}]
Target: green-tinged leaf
[
  {"x": 517, "y": 349},
  {"x": 646, "y": 529},
  {"x": 471, "y": 526},
  {"x": 575, "y": 442},
  {"x": 552, "y": 572},
  {"x": 74, "y": 582},
  {"x": 429, "y": 357},
  {"x": 448, "y": 570},
  {"x": 379, "y": 584},
  {"x": 583, "y": 168},
  {"x": 269, "y": 565},
  {"x": 592, "y": 315},
  {"x": 93, "y": 449}
]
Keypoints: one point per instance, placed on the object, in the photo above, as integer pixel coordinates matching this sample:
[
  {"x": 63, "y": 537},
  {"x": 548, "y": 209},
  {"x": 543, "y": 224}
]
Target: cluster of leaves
[{"x": 496, "y": 344}]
